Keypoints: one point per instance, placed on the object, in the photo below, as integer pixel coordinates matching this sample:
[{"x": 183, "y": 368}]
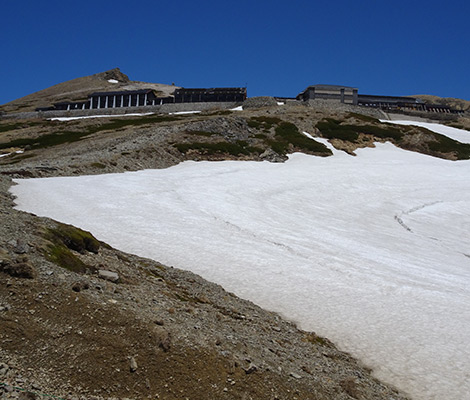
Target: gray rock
[
  {"x": 251, "y": 368},
  {"x": 261, "y": 101},
  {"x": 80, "y": 285},
  {"x": 108, "y": 275},
  {"x": 21, "y": 247},
  {"x": 133, "y": 365},
  {"x": 22, "y": 269},
  {"x": 3, "y": 369}
]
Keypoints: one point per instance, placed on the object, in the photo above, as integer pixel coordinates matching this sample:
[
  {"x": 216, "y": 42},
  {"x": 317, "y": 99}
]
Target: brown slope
[
  {"x": 456, "y": 104},
  {"x": 79, "y": 89}
]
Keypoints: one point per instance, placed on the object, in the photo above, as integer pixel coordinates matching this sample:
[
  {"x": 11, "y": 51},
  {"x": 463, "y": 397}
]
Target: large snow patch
[{"x": 371, "y": 251}]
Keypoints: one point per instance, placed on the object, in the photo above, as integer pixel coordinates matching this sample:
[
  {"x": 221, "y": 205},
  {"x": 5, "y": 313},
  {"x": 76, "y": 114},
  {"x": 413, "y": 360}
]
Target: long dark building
[
  {"x": 349, "y": 95},
  {"x": 198, "y": 95},
  {"x": 148, "y": 97}
]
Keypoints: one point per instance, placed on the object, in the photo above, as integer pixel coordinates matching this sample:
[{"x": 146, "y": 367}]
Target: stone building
[{"x": 342, "y": 94}]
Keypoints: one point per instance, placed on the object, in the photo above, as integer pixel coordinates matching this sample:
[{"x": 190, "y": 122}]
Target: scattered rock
[
  {"x": 80, "y": 285},
  {"x": 108, "y": 275},
  {"x": 133, "y": 365},
  {"x": 21, "y": 247},
  {"x": 261, "y": 101},
  {"x": 294, "y": 375},
  {"x": 163, "y": 338},
  {"x": 27, "y": 396},
  {"x": 3, "y": 369},
  {"x": 22, "y": 269},
  {"x": 251, "y": 368}
]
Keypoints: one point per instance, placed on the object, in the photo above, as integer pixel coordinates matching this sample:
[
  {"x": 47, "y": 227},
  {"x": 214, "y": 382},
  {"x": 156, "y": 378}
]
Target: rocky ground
[{"x": 81, "y": 320}]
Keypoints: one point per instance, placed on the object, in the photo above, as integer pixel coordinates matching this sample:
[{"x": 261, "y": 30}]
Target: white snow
[
  {"x": 14, "y": 152},
  {"x": 371, "y": 251},
  {"x": 460, "y": 135},
  {"x": 99, "y": 116},
  {"x": 239, "y": 108},
  {"x": 112, "y": 81},
  {"x": 184, "y": 112}
]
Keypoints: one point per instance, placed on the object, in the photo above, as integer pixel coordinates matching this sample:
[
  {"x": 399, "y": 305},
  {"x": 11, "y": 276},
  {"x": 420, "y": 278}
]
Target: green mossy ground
[{"x": 63, "y": 241}]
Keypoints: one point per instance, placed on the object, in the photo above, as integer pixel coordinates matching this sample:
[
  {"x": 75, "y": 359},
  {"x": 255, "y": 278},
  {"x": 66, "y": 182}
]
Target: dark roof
[
  {"x": 377, "y": 98},
  {"x": 331, "y": 87},
  {"x": 214, "y": 90},
  {"x": 122, "y": 92}
]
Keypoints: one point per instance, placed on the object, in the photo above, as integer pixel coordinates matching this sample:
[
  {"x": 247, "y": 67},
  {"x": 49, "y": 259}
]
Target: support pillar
[
  {"x": 99, "y": 102},
  {"x": 106, "y": 102},
  {"x": 114, "y": 101},
  {"x": 130, "y": 98},
  {"x": 122, "y": 101},
  {"x": 91, "y": 103}
]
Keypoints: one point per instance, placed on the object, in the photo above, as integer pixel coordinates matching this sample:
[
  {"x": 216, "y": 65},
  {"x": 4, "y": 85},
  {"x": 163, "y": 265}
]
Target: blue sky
[{"x": 274, "y": 47}]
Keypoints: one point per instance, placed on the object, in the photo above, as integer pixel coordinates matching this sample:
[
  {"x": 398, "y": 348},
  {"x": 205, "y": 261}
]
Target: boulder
[{"x": 108, "y": 275}]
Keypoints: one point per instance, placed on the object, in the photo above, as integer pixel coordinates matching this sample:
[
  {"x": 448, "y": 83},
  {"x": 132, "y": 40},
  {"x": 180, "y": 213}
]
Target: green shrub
[
  {"x": 289, "y": 133},
  {"x": 386, "y": 132},
  {"x": 361, "y": 117},
  {"x": 98, "y": 165},
  {"x": 58, "y": 138},
  {"x": 331, "y": 129},
  {"x": 65, "y": 238},
  {"x": 444, "y": 144},
  {"x": 74, "y": 238},
  {"x": 238, "y": 148}
]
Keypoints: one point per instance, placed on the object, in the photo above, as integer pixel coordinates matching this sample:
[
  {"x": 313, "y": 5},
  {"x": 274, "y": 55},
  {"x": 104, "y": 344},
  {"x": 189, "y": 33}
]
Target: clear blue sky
[{"x": 274, "y": 47}]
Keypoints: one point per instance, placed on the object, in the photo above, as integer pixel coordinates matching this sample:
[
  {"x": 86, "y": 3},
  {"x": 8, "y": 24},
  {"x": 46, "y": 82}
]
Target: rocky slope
[
  {"x": 79, "y": 89},
  {"x": 456, "y": 104},
  {"x": 79, "y": 319}
]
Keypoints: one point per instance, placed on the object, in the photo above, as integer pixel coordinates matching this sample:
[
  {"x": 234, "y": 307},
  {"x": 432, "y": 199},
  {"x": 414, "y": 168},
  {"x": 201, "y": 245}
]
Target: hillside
[
  {"x": 79, "y": 88},
  {"x": 138, "y": 328},
  {"x": 456, "y": 104}
]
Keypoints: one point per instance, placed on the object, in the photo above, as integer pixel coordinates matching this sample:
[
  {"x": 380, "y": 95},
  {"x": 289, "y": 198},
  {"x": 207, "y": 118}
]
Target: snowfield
[{"x": 371, "y": 251}]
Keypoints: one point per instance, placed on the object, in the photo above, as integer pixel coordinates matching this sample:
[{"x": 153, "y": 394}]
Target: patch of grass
[
  {"x": 334, "y": 129},
  {"x": 64, "y": 258},
  {"x": 361, "y": 117},
  {"x": 17, "y": 125},
  {"x": 386, "y": 132},
  {"x": 289, "y": 133},
  {"x": 63, "y": 240},
  {"x": 444, "y": 144},
  {"x": 331, "y": 129},
  {"x": 265, "y": 123},
  {"x": 74, "y": 238},
  {"x": 15, "y": 159},
  {"x": 98, "y": 165},
  {"x": 240, "y": 147},
  {"x": 54, "y": 139}
]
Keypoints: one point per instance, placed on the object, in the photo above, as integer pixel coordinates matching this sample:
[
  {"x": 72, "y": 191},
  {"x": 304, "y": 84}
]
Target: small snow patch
[
  {"x": 14, "y": 152},
  {"x": 185, "y": 112},
  {"x": 112, "y": 81},
  {"x": 239, "y": 108},
  {"x": 99, "y": 116}
]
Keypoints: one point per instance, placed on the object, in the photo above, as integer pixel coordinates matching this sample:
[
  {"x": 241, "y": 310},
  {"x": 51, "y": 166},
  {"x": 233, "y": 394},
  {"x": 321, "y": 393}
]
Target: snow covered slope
[{"x": 371, "y": 251}]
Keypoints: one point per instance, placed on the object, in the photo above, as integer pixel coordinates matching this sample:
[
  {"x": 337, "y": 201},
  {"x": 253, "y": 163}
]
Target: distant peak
[{"x": 115, "y": 74}]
